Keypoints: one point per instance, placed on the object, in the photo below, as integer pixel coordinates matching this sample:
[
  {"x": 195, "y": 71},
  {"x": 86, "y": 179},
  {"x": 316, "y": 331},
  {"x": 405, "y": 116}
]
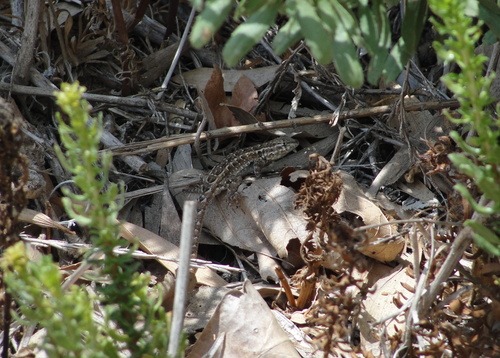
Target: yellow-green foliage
[
  {"x": 135, "y": 324},
  {"x": 480, "y": 159}
]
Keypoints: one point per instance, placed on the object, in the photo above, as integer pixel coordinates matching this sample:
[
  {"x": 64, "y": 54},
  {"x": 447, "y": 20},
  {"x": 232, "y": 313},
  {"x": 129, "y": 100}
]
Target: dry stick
[
  {"x": 177, "y": 53},
  {"x": 408, "y": 221},
  {"x": 17, "y": 13},
  {"x": 458, "y": 247},
  {"x": 182, "y": 282},
  {"x": 174, "y": 141},
  {"x": 412, "y": 317},
  {"x": 115, "y": 100},
  {"x": 24, "y": 57},
  {"x": 8, "y": 55}
]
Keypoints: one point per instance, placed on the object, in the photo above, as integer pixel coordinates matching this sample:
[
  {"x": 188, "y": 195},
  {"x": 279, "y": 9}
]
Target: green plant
[
  {"x": 66, "y": 316},
  {"x": 479, "y": 159},
  {"x": 333, "y": 31},
  {"x": 134, "y": 322}
]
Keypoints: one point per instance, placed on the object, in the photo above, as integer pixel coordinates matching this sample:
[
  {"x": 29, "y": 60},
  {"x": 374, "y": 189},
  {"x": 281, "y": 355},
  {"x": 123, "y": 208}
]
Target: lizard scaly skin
[{"x": 231, "y": 167}]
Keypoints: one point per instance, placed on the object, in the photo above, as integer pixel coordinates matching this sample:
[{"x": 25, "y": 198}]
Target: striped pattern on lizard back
[{"x": 231, "y": 167}]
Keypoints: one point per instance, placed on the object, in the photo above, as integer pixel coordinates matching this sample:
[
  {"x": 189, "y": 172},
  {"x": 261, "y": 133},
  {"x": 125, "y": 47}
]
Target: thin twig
[
  {"x": 119, "y": 101},
  {"x": 24, "y": 58},
  {"x": 407, "y": 221},
  {"x": 178, "y": 54},
  {"x": 174, "y": 141},
  {"x": 457, "y": 249},
  {"x": 182, "y": 282}
]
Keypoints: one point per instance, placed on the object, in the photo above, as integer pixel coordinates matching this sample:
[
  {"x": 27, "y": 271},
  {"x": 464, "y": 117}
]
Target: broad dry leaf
[
  {"x": 201, "y": 306},
  {"x": 245, "y": 96},
  {"x": 421, "y": 124},
  {"x": 423, "y": 196},
  {"x": 352, "y": 199},
  {"x": 244, "y": 326},
  {"x": 215, "y": 95},
  {"x": 200, "y": 76},
  {"x": 40, "y": 219},
  {"x": 155, "y": 64},
  {"x": 64, "y": 10},
  {"x": 228, "y": 221},
  {"x": 154, "y": 244},
  {"x": 262, "y": 220},
  {"x": 241, "y": 115},
  {"x": 394, "y": 169},
  {"x": 272, "y": 208},
  {"x": 259, "y": 217},
  {"x": 242, "y": 103},
  {"x": 383, "y": 303}
]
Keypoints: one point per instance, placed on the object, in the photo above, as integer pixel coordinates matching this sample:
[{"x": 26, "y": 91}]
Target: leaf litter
[{"x": 355, "y": 290}]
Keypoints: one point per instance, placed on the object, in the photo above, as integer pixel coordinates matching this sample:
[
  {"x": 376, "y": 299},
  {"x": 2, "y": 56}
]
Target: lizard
[{"x": 231, "y": 167}]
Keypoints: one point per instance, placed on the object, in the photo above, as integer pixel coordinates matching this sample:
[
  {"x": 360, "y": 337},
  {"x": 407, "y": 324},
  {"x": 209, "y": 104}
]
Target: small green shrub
[
  {"x": 333, "y": 31},
  {"x": 134, "y": 323},
  {"x": 480, "y": 157}
]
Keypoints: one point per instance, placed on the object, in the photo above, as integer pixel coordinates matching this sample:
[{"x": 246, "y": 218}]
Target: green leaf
[
  {"x": 484, "y": 237},
  {"x": 248, "y": 7},
  {"x": 374, "y": 26},
  {"x": 346, "y": 60},
  {"x": 377, "y": 35},
  {"x": 395, "y": 61},
  {"x": 376, "y": 66},
  {"x": 413, "y": 24},
  {"x": 249, "y": 33},
  {"x": 209, "y": 21},
  {"x": 345, "y": 56},
  {"x": 317, "y": 36},
  {"x": 489, "y": 12},
  {"x": 347, "y": 19},
  {"x": 288, "y": 35}
]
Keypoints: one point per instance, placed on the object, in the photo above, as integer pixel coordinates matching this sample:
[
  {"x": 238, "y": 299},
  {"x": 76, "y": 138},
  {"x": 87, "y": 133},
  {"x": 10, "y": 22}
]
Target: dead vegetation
[{"x": 368, "y": 244}]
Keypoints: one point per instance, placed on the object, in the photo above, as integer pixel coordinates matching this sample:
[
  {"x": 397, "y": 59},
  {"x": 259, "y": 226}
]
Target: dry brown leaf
[
  {"x": 64, "y": 10},
  {"x": 245, "y": 96},
  {"x": 272, "y": 208},
  {"x": 352, "y": 199},
  {"x": 40, "y": 219},
  {"x": 88, "y": 48},
  {"x": 244, "y": 326},
  {"x": 241, "y": 115},
  {"x": 154, "y": 244},
  {"x": 241, "y": 104},
  {"x": 261, "y": 218},
  {"x": 215, "y": 95}
]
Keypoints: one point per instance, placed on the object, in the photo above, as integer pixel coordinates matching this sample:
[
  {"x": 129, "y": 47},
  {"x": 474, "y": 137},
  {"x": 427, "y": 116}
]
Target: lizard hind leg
[{"x": 232, "y": 189}]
